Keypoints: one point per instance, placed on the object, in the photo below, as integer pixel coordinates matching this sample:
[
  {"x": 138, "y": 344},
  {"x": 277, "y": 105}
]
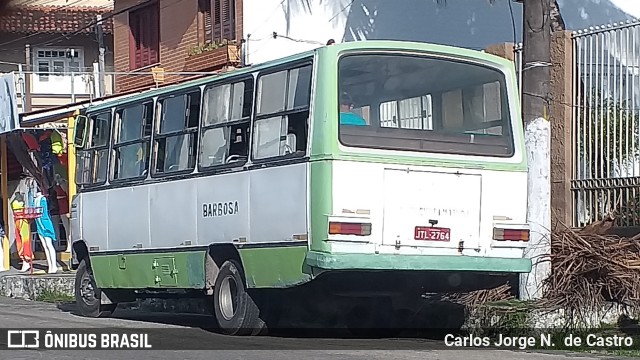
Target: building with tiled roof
[{"x": 60, "y": 39}]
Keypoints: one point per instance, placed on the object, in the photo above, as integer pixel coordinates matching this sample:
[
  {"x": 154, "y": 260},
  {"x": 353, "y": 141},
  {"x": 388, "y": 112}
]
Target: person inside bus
[{"x": 347, "y": 116}]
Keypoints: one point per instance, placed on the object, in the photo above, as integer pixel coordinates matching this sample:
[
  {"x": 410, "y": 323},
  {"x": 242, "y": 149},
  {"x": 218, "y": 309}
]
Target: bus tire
[
  {"x": 235, "y": 311},
  {"x": 88, "y": 295}
]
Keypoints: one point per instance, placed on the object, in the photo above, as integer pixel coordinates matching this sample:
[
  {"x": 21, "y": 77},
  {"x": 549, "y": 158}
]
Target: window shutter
[
  {"x": 145, "y": 30},
  {"x": 217, "y": 19},
  {"x": 227, "y": 19},
  {"x": 204, "y": 7}
]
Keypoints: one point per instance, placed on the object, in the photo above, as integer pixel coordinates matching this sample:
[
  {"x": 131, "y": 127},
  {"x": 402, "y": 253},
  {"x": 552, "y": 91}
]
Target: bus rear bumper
[{"x": 354, "y": 261}]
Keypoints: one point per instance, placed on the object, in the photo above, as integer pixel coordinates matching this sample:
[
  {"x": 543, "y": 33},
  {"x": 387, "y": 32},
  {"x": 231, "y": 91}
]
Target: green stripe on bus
[
  {"x": 321, "y": 204},
  {"x": 183, "y": 270},
  {"x": 274, "y": 267}
]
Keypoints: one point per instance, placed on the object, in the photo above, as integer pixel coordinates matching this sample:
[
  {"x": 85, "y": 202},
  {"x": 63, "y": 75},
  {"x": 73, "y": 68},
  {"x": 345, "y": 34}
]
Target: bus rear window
[{"x": 418, "y": 103}]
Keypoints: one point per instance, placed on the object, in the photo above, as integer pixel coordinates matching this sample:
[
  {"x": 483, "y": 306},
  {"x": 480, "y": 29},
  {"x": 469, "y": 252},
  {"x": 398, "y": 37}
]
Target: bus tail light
[
  {"x": 511, "y": 234},
  {"x": 348, "y": 228}
]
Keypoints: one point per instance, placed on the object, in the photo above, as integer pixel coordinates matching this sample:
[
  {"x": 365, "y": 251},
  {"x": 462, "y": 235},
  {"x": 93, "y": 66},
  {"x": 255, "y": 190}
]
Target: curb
[{"x": 32, "y": 287}]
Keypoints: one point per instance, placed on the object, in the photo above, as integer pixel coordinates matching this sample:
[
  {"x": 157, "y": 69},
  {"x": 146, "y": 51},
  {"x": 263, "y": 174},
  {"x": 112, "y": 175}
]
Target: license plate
[{"x": 429, "y": 233}]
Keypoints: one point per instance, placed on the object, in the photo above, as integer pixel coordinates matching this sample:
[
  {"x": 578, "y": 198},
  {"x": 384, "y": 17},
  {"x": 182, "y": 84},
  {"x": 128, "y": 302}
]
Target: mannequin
[{"x": 46, "y": 232}]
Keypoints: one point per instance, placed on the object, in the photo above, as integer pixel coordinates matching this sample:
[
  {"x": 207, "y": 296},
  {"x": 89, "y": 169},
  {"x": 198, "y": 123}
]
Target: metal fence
[{"x": 606, "y": 119}]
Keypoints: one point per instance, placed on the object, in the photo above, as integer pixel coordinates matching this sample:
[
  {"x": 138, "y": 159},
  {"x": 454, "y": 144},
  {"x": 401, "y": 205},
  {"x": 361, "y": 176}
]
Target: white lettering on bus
[{"x": 219, "y": 209}]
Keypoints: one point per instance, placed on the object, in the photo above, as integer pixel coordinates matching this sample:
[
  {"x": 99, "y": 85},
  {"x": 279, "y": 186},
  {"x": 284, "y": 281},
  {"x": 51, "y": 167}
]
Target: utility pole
[
  {"x": 26, "y": 106},
  {"x": 535, "y": 111},
  {"x": 101, "y": 66}
]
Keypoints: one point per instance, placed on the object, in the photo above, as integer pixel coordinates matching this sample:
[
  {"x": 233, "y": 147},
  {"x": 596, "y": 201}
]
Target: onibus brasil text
[
  {"x": 85, "y": 340},
  {"x": 543, "y": 340}
]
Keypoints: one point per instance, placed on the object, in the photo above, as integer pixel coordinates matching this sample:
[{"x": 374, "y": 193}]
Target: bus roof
[{"x": 328, "y": 49}]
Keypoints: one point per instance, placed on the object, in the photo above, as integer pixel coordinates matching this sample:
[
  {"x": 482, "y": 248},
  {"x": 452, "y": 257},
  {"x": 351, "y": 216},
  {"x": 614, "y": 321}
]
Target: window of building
[
  {"x": 57, "y": 62},
  {"x": 144, "y": 43},
  {"x": 176, "y": 138},
  {"x": 217, "y": 20},
  {"x": 226, "y": 124},
  {"x": 132, "y": 139},
  {"x": 93, "y": 160},
  {"x": 413, "y": 113},
  {"x": 281, "y": 125}
]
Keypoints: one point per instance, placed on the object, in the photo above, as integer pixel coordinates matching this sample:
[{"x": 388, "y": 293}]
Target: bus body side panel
[
  {"x": 156, "y": 235},
  {"x": 156, "y": 270}
]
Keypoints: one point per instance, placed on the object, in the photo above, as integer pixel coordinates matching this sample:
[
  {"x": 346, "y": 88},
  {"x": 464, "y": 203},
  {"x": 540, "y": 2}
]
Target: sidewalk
[{"x": 44, "y": 287}]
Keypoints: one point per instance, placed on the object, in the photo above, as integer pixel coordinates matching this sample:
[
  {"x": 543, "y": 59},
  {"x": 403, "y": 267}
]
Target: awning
[{"x": 48, "y": 115}]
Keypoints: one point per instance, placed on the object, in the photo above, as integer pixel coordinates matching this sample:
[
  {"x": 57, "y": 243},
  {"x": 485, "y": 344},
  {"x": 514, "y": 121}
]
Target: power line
[
  {"x": 104, "y": 18},
  {"x": 276, "y": 35},
  {"x": 342, "y": 10},
  {"x": 269, "y": 18}
]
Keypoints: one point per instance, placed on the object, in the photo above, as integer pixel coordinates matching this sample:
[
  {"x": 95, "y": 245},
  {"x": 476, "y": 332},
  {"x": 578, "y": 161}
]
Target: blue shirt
[{"x": 349, "y": 118}]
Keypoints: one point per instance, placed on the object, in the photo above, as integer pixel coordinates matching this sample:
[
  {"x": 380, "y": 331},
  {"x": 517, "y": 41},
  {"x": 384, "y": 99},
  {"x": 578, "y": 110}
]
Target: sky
[{"x": 631, "y": 7}]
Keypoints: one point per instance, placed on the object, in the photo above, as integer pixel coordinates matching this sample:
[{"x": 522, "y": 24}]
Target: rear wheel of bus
[
  {"x": 88, "y": 295},
  {"x": 235, "y": 311}
]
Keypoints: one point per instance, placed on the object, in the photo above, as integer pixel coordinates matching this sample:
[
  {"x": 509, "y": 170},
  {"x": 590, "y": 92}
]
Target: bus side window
[
  {"x": 226, "y": 117},
  {"x": 132, "y": 140},
  {"x": 176, "y": 137},
  {"x": 92, "y": 167},
  {"x": 282, "y": 119}
]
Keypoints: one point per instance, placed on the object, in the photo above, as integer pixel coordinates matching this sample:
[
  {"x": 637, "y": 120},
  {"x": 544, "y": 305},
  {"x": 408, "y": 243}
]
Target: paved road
[{"x": 23, "y": 314}]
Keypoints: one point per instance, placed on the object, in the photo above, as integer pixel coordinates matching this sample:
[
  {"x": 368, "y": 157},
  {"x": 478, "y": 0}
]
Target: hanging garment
[
  {"x": 44, "y": 224},
  {"x": 56, "y": 143},
  {"x": 63, "y": 159},
  {"x": 31, "y": 141},
  {"x": 52, "y": 201},
  {"x": 44, "y": 135},
  {"x": 46, "y": 154},
  {"x": 23, "y": 234},
  {"x": 63, "y": 200}
]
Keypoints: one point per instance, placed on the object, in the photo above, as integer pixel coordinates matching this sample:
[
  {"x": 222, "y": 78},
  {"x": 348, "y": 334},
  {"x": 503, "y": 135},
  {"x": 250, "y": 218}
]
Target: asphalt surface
[{"x": 186, "y": 331}]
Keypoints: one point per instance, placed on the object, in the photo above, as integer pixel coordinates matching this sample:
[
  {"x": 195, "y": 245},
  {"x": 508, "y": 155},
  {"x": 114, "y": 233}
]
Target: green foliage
[
  {"x": 196, "y": 50},
  {"x": 607, "y": 136},
  {"x": 54, "y": 296}
]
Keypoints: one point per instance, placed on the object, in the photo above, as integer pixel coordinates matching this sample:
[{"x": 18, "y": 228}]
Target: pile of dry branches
[
  {"x": 590, "y": 269},
  {"x": 481, "y": 297}
]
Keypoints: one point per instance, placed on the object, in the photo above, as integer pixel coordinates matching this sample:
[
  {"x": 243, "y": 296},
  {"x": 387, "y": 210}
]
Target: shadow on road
[{"x": 208, "y": 324}]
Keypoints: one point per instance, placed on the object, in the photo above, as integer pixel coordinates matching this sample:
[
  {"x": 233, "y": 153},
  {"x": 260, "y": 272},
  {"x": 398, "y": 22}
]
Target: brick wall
[{"x": 178, "y": 33}]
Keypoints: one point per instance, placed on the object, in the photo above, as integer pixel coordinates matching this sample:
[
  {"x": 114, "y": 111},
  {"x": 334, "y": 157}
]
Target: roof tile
[{"x": 53, "y": 20}]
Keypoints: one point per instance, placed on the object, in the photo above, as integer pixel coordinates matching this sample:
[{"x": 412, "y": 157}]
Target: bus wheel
[
  {"x": 88, "y": 295},
  {"x": 235, "y": 311}
]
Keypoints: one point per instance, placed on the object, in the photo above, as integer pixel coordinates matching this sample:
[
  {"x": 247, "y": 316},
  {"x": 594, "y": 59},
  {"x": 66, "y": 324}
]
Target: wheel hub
[
  {"x": 228, "y": 297},
  {"x": 86, "y": 290}
]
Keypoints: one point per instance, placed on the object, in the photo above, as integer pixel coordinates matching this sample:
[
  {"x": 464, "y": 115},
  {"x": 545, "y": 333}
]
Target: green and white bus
[{"x": 354, "y": 176}]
